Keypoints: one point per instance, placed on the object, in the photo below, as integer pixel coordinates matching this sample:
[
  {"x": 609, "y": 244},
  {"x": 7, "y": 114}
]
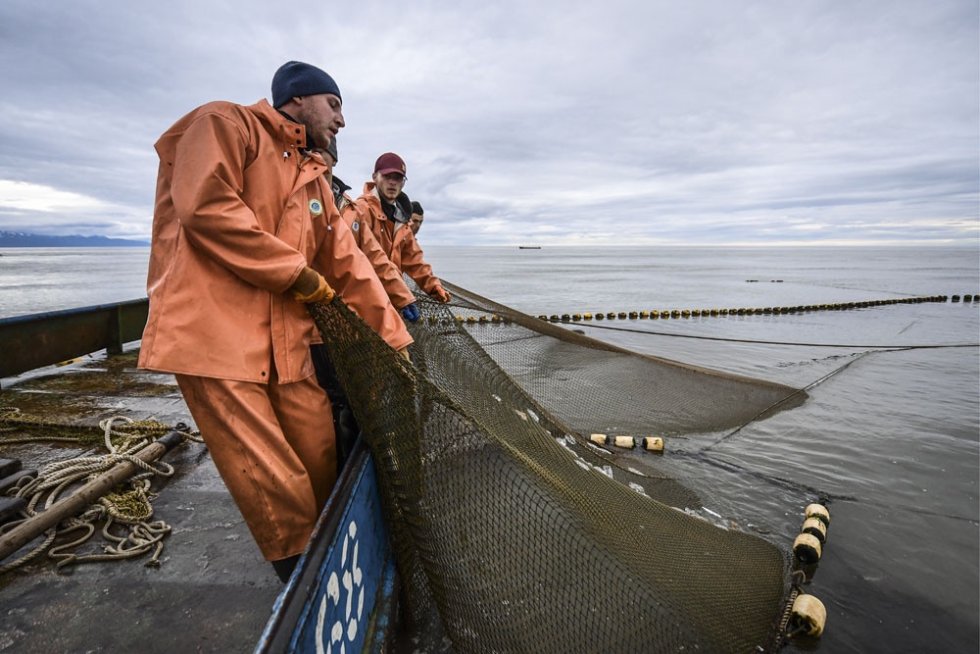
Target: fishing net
[{"x": 508, "y": 536}]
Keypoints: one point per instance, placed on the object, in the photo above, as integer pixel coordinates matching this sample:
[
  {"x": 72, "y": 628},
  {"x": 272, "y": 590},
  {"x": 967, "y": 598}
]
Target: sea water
[
  {"x": 33, "y": 280},
  {"x": 889, "y": 432}
]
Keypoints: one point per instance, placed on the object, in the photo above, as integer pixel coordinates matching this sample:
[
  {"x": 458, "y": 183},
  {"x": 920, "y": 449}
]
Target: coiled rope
[{"x": 129, "y": 506}]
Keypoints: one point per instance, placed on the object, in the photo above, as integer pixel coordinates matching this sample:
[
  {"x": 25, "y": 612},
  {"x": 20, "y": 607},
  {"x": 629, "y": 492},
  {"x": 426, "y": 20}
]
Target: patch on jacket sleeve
[{"x": 316, "y": 207}]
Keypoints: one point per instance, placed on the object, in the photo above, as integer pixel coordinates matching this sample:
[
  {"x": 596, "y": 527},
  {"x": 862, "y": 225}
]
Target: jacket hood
[{"x": 283, "y": 123}]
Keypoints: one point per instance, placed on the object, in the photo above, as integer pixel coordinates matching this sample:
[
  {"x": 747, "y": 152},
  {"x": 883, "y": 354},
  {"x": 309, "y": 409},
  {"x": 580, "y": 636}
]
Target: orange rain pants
[{"x": 275, "y": 449}]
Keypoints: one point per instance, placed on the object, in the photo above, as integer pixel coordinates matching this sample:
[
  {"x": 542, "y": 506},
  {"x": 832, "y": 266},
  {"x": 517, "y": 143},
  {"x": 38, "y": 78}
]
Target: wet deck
[{"x": 212, "y": 591}]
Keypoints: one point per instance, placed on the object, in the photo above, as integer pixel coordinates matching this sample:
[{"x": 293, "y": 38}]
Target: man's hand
[
  {"x": 411, "y": 312},
  {"x": 310, "y": 286},
  {"x": 441, "y": 294}
]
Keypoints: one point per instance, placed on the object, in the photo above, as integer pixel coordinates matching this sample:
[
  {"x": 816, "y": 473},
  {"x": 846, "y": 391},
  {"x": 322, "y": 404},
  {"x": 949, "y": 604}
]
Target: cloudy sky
[{"x": 613, "y": 122}]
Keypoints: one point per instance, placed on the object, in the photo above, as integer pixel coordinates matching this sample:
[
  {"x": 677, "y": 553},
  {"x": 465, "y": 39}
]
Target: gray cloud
[{"x": 573, "y": 122}]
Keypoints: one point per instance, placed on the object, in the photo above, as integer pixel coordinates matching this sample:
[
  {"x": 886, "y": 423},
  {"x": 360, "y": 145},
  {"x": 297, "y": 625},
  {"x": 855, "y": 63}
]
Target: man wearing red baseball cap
[
  {"x": 390, "y": 276},
  {"x": 385, "y": 209}
]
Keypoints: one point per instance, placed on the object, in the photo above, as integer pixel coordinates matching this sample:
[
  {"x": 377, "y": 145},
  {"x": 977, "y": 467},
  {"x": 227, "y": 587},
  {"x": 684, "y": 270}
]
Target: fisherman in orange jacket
[
  {"x": 345, "y": 424},
  {"x": 245, "y": 233},
  {"x": 385, "y": 209},
  {"x": 390, "y": 276}
]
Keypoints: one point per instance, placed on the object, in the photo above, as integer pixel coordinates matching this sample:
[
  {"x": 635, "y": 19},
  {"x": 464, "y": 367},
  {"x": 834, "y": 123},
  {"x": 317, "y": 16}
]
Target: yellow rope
[
  {"x": 129, "y": 505},
  {"x": 12, "y": 419}
]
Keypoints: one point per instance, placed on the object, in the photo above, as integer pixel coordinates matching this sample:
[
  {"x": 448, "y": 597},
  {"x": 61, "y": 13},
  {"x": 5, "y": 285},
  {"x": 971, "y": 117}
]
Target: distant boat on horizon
[{"x": 528, "y": 247}]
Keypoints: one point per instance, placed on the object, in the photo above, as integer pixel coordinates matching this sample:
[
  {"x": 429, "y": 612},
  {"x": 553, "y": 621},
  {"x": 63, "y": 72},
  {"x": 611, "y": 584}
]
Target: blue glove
[{"x": 411, "y": 313}]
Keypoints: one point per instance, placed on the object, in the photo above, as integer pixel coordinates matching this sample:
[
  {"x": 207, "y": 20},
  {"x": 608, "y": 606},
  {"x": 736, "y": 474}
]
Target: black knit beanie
[{"x": 296, "y": 79}]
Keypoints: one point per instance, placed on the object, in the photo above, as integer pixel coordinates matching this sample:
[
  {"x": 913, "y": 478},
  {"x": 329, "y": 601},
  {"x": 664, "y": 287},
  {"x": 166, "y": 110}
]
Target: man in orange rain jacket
[
  {"x": 244, "y": 233},
  {"x": 345, "y": 424},
  {"x": 385, "y": 209},
  {"x": 390, "y": 276}
]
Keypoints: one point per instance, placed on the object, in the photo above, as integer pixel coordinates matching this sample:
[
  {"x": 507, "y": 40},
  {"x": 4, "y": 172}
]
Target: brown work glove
[
  {"x": 404, "y": 353},
  {"x": 310, "y": 286},
  {"x": 441, "y": 294}
]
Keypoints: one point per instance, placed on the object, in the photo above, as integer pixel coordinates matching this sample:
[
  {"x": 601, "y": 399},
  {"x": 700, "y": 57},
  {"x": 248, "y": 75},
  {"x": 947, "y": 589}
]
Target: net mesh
[{"x": 508, "y": 536}]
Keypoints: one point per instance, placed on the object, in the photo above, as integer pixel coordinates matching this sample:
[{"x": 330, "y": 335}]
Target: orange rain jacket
[
  {"x": 234, "y": 224},
  {"x": 397, "y": 240},
  {"x": 388, "y": 273}
]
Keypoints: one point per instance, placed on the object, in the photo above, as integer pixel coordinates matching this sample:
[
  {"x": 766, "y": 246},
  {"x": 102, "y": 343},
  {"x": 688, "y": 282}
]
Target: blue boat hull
[{"x": 342, "y": 596}]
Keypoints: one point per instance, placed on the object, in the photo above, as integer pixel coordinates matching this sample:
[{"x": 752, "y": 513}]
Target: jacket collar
[
  {"x": 340, "y": 192},
  {"x": 291, "y": 134},
  {"x": 386, "y": 209},
  {"x": 370, "y": 194},
  {"x": 339, "y": 183}
]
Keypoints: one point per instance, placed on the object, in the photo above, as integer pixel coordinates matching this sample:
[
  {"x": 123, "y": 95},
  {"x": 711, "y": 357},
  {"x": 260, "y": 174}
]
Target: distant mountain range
[{"x": 23, "y": 240}]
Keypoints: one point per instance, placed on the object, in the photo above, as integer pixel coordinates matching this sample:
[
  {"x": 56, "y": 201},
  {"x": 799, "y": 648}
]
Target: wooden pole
[{"x": 81, "y": 499}]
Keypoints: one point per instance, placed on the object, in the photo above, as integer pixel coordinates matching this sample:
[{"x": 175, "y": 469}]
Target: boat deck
[{"x": 212, "y": 592}]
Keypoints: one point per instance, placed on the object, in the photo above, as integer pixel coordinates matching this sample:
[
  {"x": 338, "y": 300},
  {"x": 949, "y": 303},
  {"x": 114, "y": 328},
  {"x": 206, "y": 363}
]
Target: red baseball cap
[{"x": 389, "y": 162}]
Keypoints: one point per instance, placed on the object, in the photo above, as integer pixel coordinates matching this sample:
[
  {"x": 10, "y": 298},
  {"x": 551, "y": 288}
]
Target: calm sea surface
[{"x": 892, "y": 437}]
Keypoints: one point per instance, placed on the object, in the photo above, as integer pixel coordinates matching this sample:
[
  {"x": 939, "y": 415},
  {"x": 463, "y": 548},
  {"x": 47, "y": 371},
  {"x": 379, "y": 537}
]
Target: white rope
[{"x": 130, "y": 507}]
